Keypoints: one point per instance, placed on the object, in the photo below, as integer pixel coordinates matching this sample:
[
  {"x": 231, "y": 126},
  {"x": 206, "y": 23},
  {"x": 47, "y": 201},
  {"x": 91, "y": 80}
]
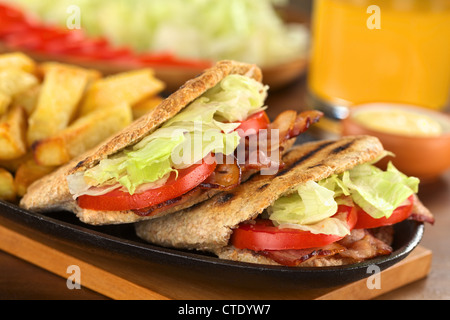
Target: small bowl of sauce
[{"x": 419, "y": 138}]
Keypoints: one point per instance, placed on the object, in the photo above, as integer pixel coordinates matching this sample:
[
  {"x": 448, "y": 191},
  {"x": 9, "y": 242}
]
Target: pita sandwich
[
  {"x": 132, "y": 176},
  {"x": 233, "y": 225}
]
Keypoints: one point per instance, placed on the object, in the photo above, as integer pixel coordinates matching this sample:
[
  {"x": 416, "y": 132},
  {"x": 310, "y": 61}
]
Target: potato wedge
[
  {"x": 130, "y": 87},
  {"x": 7, "y": 186},
  {"x": 60, "y": 94},
  {"x": 13, "y": 127},
  {"x": 145, "y": 106},
  {"x": 28, "y": 99},
  {"x": 28, "y": 172},
  {"x": 5, "y": 101},
  {"x": 17, "y": 60},
  {"x": 85, "y": 133},
  {"x": 14, "y": 81},
  {"x": 14, "y": 164}
]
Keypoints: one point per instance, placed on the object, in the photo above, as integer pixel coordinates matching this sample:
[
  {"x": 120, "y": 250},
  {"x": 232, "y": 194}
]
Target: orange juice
[{"x": 399, "y": 53}]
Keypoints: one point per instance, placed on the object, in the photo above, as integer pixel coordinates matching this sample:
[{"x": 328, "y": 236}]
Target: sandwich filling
[
  {"x": 320, "y": 217},
  {"x": 195, "y": 148}
]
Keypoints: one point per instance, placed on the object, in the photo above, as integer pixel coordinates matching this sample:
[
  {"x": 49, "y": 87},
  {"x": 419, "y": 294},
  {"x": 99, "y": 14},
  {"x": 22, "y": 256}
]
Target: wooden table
[{"x": 22, "y": 280}]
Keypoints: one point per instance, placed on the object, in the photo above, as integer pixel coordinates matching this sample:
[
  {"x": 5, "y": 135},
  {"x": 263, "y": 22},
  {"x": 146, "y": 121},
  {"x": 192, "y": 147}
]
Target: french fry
[
  {"x": 85, "y": 133},
  {"x": 28, "y": 172},
  {"x": 5, "y": 101},
  {"x": 28, "y": 99},
  {"x": 145, "y": 106},
  {"x": 130, "y": 87},
  {"x": 60, "y": 94},
  {"x": 7, "y": 187},
  {"x": 52, "y": 112},
  {"x": 14, "y": 81},
  {"x": 17, "y": 60},
  {"x": 14, "y": 164},
  {"x": 46, "y": 67},
  {"x": 12, "y": 134}
]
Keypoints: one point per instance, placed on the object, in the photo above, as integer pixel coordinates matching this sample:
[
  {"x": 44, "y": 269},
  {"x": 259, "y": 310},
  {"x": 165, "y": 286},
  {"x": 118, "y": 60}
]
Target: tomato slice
[
  {"x": 168, "y": 59},
  {"x": 365, "y": 221},
  {"x": 118, "y": 200},
  {"x": 253, "y": 124},
  {"x": 263, "y": 235}
]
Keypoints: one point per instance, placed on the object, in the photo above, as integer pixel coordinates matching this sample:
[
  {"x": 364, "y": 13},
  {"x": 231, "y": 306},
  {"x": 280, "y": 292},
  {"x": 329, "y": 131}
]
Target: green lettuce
[
  {"x": 376, "y": 191},
  {"x": 243, "y": 30},
  {"x": 310, "y": 204},
  {"x": 379, "y": 192},
  {"x": 204, "y": 126}
]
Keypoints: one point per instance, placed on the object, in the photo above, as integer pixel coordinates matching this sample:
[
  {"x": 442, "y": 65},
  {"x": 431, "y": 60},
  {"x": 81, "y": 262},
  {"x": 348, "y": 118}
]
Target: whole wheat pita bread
[
  {"x": 209, "y": 225},
  {"x": 51, "y": 193}
]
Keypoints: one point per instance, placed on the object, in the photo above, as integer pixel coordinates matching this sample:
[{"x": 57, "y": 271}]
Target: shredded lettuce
[
  {"x": 376, "y": 191},
  {"x": 312, "y": 203},
  {"x": 379, "y": 192},
  {"x": 206, "y": 125},
  {"x": 243, "y": 30}
]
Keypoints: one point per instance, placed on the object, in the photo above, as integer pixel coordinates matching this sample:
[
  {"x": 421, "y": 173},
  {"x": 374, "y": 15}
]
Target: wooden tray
[{"x": 122, "y": 278}]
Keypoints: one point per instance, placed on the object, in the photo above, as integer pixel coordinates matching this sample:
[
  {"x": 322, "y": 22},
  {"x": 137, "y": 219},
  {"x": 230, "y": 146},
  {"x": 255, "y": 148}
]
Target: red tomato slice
[
  {"x": 188, "y": 179},
  {"x": 118, "y": 200},
  {"x": 263, "y": 235},
  {"x": 253, "y": 124},
  {"x": 168, "y": 59},
  {"x": 365, "y": 221}
]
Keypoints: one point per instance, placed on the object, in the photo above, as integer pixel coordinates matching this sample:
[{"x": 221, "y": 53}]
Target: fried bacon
[
  {"x": 294, "y": 258},
  {"x": 230, "y": 170},
  {"x": 225, "y": 177},
  {"x": 358, "y": 246},
  {"x": 290, "y": 124},
  {"x": 287, "y": 125},
  {"x": 258, "y": 150},
  {"x": 363, "y": 246},
  {"x": 420, "y": 213}
]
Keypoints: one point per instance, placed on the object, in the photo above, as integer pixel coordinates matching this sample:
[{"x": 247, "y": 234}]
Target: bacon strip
[
  {"x": 293, "y": 258},
  {"x": 229, "y": 173},
  {"x": 289, "y": 124},
  {"x": 420, "y": 213},
  {"x": 225, "y": 177},
  {"x": 358, "y": 246},
  {"x": 366, "y": 247}
]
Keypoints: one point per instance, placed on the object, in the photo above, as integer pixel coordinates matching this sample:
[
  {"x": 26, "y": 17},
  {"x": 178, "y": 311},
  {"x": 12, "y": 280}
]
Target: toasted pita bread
[
  {"x": 209, "y": 225},
  {"x": 51, "y": 193}
]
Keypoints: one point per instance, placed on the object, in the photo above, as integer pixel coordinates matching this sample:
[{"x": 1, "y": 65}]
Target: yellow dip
[{"x": 399, "y": 121}]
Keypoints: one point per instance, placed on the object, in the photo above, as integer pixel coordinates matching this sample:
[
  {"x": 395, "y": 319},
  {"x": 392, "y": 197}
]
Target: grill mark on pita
[
  {"x": 224, "y": 198},
  {"x": 305, "y": 157},
  {"x": 316, "y": 165},
  {"x": 261, "y": 188},
  {"x": 342, "y": 148}
]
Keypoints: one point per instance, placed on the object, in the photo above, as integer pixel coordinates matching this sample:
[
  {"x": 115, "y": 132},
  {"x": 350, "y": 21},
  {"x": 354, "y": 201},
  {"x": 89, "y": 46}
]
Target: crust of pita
[
  {"x": 51, "y": 193},
  {"x": 209, "y": 225}
]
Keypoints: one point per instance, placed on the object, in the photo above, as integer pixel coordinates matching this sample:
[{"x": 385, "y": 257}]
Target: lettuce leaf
[
  {"x": 311, "y": 204},
  {"x": 376, "y": 191},
  {"x": 330, "y": 225},
  {"x": 204, "y": 126},
  {"x": 243, "y": 30},
  {"x": 379, "y": 192}
]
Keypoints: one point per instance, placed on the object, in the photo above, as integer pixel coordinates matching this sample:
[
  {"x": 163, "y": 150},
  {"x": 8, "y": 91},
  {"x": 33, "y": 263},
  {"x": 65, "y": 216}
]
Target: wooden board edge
[
  {"x": 414, "y": 267},
  {"x": 110, "y": 284},
  {"x": 57, "y": 262}
]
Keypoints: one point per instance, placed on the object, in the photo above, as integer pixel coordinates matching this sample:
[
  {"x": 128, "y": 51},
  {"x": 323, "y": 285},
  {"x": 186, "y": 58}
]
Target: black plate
[{"x": 121, "y": 242}]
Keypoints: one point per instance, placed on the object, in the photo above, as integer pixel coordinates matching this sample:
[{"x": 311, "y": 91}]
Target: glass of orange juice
[{"x": 380, "y": 50}]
